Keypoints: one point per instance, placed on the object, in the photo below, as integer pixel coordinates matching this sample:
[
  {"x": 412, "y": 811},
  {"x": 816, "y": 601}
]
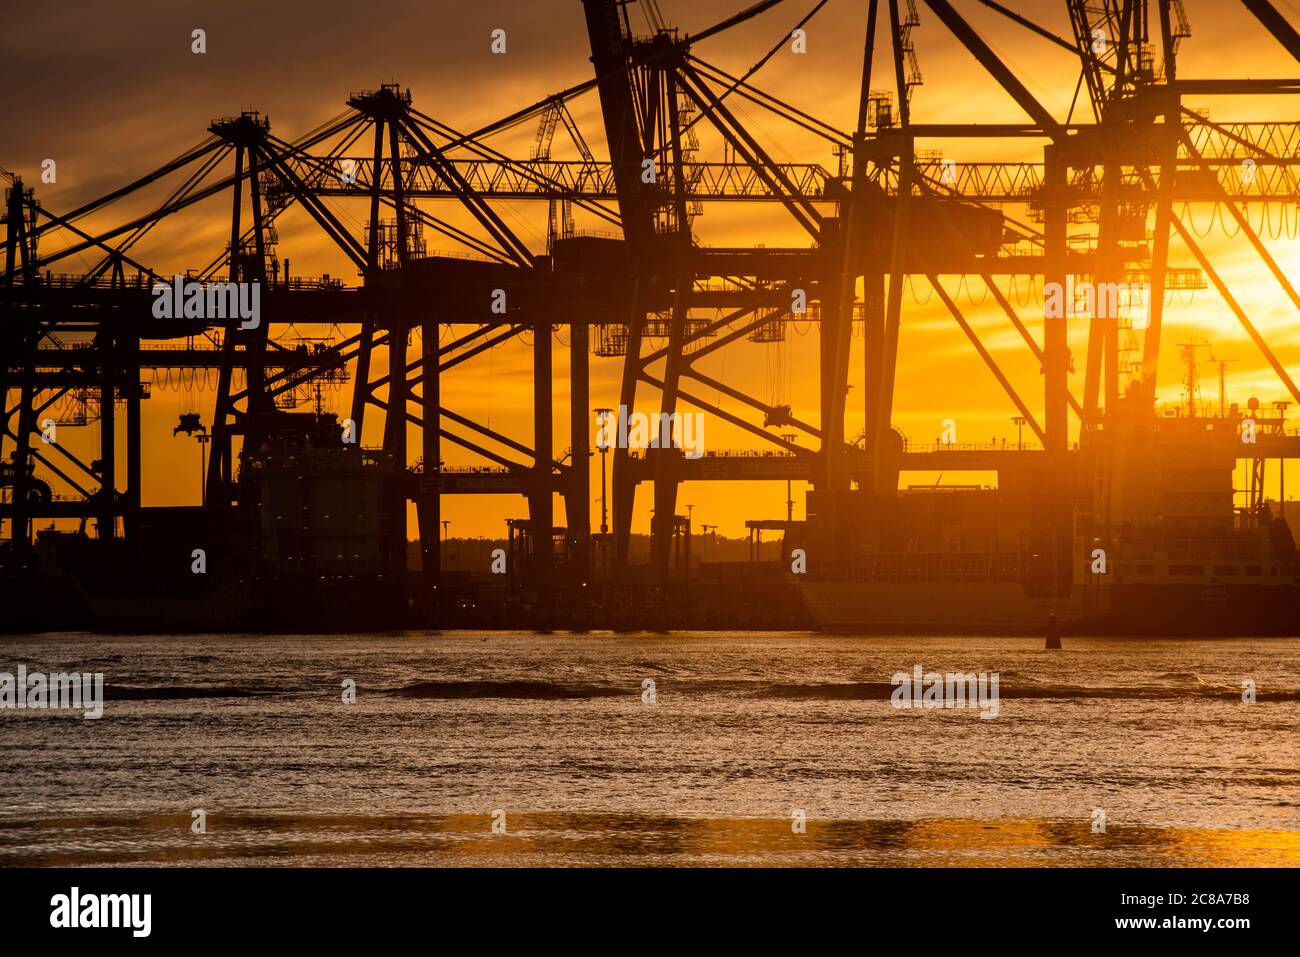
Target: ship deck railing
[{"x": 939, "y": 567}]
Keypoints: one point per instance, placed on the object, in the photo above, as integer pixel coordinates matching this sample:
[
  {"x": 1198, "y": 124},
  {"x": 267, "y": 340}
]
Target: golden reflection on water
[{"x": 609, "y": 839}]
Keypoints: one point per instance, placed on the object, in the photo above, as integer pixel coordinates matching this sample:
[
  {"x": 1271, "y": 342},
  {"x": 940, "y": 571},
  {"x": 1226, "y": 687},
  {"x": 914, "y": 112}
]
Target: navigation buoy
[{"x": 1053, "y": 634}]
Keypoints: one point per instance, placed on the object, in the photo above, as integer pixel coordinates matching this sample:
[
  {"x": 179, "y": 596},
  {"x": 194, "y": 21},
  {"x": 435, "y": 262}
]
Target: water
[{"x": 553, "y": 731}]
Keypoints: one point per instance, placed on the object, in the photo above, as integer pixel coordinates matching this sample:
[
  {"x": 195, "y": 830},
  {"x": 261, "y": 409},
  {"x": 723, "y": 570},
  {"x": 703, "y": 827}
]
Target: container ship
[
  {"x": 313, "y": 546},
  {"x": 1139, "y": 529}
]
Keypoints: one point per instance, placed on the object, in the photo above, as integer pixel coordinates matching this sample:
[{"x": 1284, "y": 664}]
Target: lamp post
[
  {"x": 1020, "y": 421},
  {"x": 789, "y": 495},
  {"x": 601, "y": 443},
  {"x": 707, "y": 529}
]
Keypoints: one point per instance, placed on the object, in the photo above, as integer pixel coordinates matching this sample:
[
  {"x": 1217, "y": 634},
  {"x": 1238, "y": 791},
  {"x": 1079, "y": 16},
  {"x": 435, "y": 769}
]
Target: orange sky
[{"x": 112, "y": 94}]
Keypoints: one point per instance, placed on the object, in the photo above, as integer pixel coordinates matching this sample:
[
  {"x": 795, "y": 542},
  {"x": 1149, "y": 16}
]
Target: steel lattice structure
[{"x": 886, "y": 212}]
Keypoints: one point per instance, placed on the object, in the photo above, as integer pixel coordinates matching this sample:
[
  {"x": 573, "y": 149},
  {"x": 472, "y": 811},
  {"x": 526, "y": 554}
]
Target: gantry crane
[{"x": 889, "y": 211}]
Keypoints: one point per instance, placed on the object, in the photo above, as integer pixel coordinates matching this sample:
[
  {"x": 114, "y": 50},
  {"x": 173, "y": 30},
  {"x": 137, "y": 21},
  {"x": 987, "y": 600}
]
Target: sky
[{"x": 112, "y": 91}]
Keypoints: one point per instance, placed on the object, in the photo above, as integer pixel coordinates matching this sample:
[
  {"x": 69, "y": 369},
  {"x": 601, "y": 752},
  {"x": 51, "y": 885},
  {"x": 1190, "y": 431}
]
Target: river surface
[{"x": 475, "y": 748}]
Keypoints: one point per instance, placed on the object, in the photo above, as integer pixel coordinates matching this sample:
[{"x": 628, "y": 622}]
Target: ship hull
[
  {"x": 1198, "y": 610},
  {"x": 1179, "y": 611}
]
